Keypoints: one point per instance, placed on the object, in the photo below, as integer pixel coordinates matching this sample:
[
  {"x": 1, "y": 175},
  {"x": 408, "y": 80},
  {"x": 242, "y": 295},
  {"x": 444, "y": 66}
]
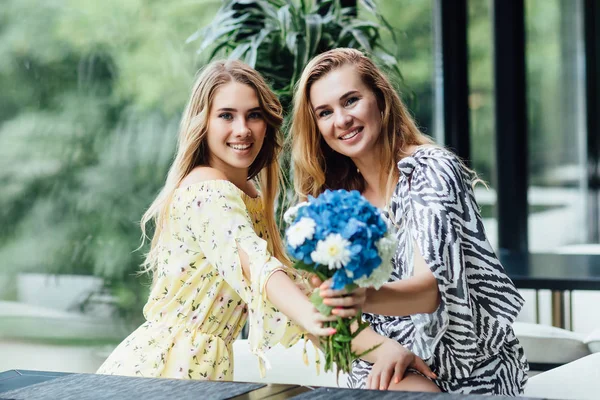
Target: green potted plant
[{"x": 279, "y": 37}]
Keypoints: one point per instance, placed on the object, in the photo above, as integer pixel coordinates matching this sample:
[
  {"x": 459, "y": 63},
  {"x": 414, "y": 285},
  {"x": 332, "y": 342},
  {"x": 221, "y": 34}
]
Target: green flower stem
[{"x": 338, "y": 347}]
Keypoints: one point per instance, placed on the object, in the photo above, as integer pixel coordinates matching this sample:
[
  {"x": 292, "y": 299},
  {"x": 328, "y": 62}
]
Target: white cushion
[
  {"x": 547, "y": 344},
  {"x": 593, "y": 341},
  {"x": 577, "y": 380},
  {"x": 286, "y": 366}
]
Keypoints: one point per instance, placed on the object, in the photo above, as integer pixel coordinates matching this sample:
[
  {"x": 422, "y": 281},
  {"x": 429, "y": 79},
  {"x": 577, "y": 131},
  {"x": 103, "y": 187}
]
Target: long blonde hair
[
  {"x": 316, "y": 166},
  {"x": 193, "y": 151}
]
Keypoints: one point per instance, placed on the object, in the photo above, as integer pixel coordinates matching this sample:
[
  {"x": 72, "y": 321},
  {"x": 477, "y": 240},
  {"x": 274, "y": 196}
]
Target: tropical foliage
[
  {"x": 92, "y": 94},
  {"x": 279, "y": 37}
]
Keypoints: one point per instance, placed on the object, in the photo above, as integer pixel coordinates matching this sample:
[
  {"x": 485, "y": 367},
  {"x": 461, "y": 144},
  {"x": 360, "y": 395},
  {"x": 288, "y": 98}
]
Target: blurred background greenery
[{"x": 92, "y": 94}]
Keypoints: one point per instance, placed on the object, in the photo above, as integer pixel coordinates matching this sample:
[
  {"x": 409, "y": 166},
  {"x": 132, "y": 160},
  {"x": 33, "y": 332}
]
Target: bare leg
[{"x": 414, "y": 383}]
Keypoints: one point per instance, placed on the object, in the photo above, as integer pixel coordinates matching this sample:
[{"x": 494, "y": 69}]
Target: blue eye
[
  {"x": 226, "y": 116},
  {"x": 324, "y": 113},
  {"x": 351, "y": 101},
  {"x": 255, "y": 115}
]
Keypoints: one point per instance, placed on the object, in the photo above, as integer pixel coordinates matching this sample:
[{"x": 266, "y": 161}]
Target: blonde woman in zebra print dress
[{"x": 449, "y": 303}]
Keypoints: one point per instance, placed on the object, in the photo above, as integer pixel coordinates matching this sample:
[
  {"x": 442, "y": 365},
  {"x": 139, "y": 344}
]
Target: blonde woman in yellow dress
[{"x": 216, "y": 256}]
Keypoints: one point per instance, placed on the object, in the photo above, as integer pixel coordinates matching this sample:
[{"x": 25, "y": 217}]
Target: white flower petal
[
  {"x": 300, "y": 231},
  {"x": 333, "y": 251},
  {"x": 386, "y": 247},
  {"x": 290, "y": 215}
]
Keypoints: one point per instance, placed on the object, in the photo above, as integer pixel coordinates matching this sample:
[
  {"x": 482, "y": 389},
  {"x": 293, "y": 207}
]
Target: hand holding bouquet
[{"x": 340, "y": 236}]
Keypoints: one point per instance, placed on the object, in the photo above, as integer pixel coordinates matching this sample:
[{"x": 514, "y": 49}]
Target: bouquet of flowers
[{"x": 340, "y": 235}]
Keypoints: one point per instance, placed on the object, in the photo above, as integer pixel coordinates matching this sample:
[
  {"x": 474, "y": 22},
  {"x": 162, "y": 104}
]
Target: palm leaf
[{"x": 278, "y": 37}]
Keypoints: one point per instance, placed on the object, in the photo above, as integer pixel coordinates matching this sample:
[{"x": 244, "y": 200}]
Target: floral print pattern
[{"x": 201, "y": 299}]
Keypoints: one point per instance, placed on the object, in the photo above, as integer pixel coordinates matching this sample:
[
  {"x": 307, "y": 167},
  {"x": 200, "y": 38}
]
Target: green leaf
[
  {"x": 387, "y": 59},
  {"x": 251, "y": 55},
  {"x": 317, "y": 301},
  {"x": 342, "y": 338},
  {"x": 369, "y": 5},
  {"x": 218, "y": 48},
  {"x": 343, "y": 326},
  {"x": 239, "y": 51},
  {"x": 364, "y": 353},
  {"x": 304, "y": 267},
  {"x": 361, "y": 327},
  {"x": 194, "y": 36},
  {"x": 301, "y": 57},
  {"x": 285, "y": 20},
  {"x": 269, "y": 8},
  {"x": 362, "y": 39},
  {"x": 219, "y": 34},
  {"x": 290, "y": 42},
  {"x": 314, "y": 26},
  {"x": 350, "y": 287}
]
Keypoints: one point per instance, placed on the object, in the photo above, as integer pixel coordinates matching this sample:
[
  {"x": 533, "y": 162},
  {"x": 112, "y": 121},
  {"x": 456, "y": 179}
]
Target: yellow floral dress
[{"x": 200, "y": 298}]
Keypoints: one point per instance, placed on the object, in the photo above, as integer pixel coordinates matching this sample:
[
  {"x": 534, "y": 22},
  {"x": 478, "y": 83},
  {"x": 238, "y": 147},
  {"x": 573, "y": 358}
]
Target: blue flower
[{"x": 350, "y": 215}]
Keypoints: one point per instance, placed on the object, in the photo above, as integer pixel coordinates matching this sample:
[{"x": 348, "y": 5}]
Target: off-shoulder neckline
[{"x": 217, "y": 182}]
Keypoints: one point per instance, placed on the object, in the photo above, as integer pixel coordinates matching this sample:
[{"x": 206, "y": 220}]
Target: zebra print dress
[{"x": 469, "y": 341}]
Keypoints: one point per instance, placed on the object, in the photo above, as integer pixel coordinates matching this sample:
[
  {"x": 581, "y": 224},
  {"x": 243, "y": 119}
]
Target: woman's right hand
[
  {"x": 392, "y": 361},
  {"x": 314, "y": 322}
]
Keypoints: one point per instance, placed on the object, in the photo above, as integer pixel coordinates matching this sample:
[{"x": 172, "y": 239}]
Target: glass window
[
  {"x": 412, "y": 21},
  {"x": 90, "y": 102},
  {"x": 556, "y": 124},
  {"x": 481, "y": 106}
]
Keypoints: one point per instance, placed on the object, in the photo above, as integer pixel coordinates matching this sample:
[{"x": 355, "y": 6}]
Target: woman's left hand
[
  {"x": 392, "y": 362},
  {"x": 345, "y": 304}
]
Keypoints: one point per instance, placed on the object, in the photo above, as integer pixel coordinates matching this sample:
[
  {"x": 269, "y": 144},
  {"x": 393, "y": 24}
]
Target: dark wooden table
[
  {"x": 559, "y": 273},
  {"x": 33, "y": 385}
]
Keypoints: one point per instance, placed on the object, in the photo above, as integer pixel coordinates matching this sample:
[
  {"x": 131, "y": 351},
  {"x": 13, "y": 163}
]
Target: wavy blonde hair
[
  {"x": 193, "y": 151},
  {"x": 316, "y": 166}
]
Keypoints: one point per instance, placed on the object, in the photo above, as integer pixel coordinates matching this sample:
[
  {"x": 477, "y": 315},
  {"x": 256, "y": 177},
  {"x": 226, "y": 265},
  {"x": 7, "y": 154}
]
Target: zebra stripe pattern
[{"x": 468, "y": 341}]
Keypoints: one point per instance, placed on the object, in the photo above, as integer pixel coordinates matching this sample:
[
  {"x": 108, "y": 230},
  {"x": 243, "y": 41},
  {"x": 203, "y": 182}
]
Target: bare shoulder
[{"x": 202, "y": 174}]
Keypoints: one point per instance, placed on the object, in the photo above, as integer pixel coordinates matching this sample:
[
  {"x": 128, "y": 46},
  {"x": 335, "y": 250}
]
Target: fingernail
[
  {"x": 381, "y": 388},
  {"x": 396, "y": 380},
  {"x": 334, "y": 311},
  {"x": 332, "y": 331}
]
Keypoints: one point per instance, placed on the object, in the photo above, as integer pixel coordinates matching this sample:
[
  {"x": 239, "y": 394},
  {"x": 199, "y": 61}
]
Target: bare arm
[
  {"x": 365, "y": 340},
  {"x": 415, "y": 295},
  {"x": 290, "y": 300},
  {"x": 390, "y": 360}
]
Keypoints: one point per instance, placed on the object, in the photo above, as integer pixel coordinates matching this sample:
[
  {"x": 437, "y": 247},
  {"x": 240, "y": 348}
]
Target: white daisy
[
  {"x": 333, "y": 251},
  {"x": 290, "y": 215},
  {"x": 300, "y": 231}
]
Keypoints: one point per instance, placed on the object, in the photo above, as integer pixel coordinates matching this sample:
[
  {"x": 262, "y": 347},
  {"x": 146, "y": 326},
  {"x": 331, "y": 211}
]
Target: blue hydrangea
[{"x": 350, "y": 215}]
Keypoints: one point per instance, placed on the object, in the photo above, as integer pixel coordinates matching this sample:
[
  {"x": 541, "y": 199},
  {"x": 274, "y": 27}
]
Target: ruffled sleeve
[
  {"x": 220, "y": 222},
  {"x": 478, "y": 300}
]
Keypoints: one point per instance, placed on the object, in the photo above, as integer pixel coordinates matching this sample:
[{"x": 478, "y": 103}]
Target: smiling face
[
  {"x": 347, "y": 114},
  {"x": 236, "y": 128}
]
